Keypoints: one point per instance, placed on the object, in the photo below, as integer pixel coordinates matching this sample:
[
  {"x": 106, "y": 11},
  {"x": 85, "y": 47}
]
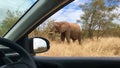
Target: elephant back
[
  {"x": 75, "y": 27},
  {"x": 75, "y": 31}
]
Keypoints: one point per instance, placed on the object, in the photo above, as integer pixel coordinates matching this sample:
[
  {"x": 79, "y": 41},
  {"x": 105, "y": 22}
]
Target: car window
[
  {"x": 83, "y": 28},
  {"x": 11, "y": 11}
]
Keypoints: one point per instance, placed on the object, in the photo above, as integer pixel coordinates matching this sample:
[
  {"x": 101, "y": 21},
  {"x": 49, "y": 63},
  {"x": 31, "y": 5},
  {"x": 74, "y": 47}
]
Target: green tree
[
  {"x": 9, "y": 21},
  {"x": 97, "y": 15}
]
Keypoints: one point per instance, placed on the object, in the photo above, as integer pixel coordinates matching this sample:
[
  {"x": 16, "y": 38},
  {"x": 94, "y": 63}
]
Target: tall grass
[{"x": 106, "y": 47}]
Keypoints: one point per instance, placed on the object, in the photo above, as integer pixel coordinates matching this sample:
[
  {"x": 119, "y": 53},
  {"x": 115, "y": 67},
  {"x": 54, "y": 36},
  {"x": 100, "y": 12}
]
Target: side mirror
[{"x": 39, "y": 44}]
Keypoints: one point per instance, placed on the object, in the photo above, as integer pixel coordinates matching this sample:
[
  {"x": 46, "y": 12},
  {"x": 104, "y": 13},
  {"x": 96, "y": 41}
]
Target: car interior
[{"x": 16, "y": 48}]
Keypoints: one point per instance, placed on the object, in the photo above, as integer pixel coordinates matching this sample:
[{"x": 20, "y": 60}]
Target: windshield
[{"x": 11, "y": 11}]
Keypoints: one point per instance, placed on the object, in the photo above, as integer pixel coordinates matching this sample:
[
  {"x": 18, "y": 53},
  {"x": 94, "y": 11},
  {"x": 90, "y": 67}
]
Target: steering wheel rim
[{"x": 26, "y": 59}]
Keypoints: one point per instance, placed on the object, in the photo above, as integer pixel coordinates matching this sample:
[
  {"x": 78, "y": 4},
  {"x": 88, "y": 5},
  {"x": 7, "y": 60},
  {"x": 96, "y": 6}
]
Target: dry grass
[{"x": 102, "y": 47}]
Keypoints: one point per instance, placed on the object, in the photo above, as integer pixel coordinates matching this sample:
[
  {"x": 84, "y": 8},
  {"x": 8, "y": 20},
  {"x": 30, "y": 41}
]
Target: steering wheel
[{"x": 26, "y": 60}]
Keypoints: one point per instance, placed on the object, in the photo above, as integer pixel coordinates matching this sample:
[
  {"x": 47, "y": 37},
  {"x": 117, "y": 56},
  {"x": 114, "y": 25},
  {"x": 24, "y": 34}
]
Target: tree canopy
[
  {"x": 99, "y": 15},
  {"x": 10, "y": 19}
]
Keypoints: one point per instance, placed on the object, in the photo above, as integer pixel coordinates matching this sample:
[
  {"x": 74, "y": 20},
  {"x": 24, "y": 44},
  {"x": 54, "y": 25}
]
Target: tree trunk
[{"x": 90, "y": 31}]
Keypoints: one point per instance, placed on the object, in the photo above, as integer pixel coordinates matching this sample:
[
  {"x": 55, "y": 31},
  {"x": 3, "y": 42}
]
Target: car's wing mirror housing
[{"x": 39, "y": 44}]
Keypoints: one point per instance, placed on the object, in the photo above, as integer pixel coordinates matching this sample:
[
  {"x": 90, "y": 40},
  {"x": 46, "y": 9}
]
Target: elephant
[{"x": 68, "y": 31}]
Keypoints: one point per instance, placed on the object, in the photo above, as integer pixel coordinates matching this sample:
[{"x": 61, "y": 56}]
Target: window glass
[
  {"x": 83, "y": 28},
  {"x": 11, "y": 11}
]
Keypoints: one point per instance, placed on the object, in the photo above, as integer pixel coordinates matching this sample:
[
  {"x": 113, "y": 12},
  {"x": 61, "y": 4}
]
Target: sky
[
  {"x": 72, "y": 12},
  {"x": 13, "y": 5},
  {"x": 38, "y": 42}
]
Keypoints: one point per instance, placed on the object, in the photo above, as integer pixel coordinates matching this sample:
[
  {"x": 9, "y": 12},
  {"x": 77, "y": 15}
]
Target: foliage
[
  {"x": 9, "y": 21},
  {"x": 44, "y": 30},
  {"x": 97, "y": 21},
  {"x": 98, "y": 15},
  {"x": 40, "y": 49}
]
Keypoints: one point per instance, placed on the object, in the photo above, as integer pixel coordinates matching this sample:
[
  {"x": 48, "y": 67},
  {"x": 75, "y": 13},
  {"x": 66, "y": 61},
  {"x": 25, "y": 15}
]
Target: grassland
[{"x": 107, "y": 47}]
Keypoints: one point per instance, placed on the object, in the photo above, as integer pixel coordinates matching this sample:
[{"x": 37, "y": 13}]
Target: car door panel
[{"x": 78, "y": 62}]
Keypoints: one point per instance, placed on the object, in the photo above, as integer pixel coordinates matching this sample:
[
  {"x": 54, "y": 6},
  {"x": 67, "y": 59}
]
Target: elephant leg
[
  {"x": 73, "y": 40},
  {"x": 79, "y": 39},
  {"x": 62, "y": 37},
  {"x": 67, "y": 35}
]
